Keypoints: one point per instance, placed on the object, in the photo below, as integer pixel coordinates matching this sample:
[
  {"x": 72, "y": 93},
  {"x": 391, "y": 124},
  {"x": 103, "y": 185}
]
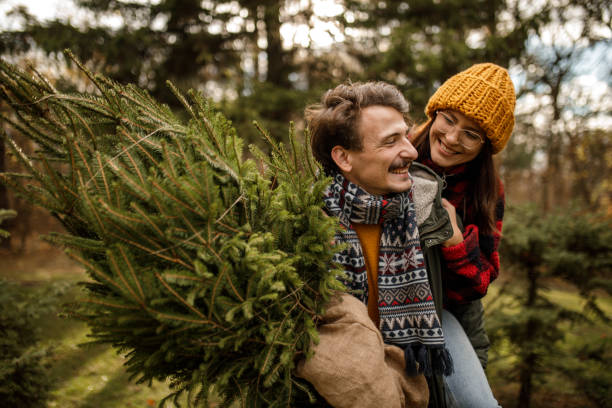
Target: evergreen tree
[
  {"x": 571, "y": 245},
  {"x": 417, "y": 44},
  {"x": 206, "y": 268},
  {"x": 24, "y": 380},
  {"x": 187, "y": 42},
  {"x": 232, "y": 47}
]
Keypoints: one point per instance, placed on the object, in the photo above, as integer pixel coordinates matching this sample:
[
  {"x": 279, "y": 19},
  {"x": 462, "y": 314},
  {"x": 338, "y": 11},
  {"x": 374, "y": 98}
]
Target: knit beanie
[{"x": 485, "y": 94}]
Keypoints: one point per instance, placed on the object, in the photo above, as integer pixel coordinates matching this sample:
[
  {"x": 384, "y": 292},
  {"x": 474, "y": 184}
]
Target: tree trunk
[
  {"x": 277, "y": 67},
  {"x": 553, "y": 182},
  {"x": 547, "y": 178},
  {"x": 4, "y": 202},
  {"x": 530, "y": 359},
  {"x": 525, "y": 378}
]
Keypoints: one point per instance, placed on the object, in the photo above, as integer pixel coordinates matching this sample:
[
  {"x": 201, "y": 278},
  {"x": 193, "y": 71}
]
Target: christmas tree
[{"x": 206, "y": 267}]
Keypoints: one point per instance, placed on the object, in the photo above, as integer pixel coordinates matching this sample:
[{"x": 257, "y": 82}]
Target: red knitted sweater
[{"x": 474, "y": 263}]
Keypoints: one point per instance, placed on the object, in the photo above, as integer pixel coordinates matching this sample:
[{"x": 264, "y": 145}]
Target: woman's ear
[{"x": 341, "y": 157}]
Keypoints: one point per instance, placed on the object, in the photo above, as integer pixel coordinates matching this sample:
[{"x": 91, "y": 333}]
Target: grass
[
  {"x": 92, "y": 375},
  {"x": 82, "y": 376}
]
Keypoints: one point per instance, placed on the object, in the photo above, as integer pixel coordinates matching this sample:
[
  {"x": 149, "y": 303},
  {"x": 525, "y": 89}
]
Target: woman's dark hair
[
  {"x": 333, "y": 121},
  {"x": 483, "y": 193}
]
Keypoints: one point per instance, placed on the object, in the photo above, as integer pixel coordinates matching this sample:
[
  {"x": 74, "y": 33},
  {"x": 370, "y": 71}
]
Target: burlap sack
[{"x": 353, "y": 368}]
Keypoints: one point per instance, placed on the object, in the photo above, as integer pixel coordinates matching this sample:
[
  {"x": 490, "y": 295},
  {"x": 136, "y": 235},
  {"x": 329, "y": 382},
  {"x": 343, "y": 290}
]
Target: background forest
[{"x": 548, "y": 313}]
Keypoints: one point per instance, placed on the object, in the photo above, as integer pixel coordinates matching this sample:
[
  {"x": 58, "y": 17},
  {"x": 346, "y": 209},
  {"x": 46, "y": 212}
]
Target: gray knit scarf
[{"x": 407, "y": 313}]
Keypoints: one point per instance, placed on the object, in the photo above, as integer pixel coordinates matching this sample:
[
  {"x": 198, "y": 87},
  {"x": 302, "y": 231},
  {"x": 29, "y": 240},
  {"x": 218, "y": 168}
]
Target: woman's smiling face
[{"x": 447, "y": 136}]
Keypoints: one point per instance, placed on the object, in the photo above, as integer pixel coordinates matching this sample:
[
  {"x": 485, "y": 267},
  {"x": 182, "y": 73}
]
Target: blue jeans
[{"x": 468, "y": 385}]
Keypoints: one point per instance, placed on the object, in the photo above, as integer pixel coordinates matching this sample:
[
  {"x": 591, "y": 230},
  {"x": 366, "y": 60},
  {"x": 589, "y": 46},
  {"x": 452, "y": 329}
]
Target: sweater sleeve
[{"x": 474, "y": 263}]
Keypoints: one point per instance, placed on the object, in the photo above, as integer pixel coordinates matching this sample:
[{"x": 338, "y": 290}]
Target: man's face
[{"x": 381, "y": 166}]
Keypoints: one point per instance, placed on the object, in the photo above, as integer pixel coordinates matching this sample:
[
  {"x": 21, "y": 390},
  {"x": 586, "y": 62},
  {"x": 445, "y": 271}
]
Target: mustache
[{"x": 400, "y": 163}]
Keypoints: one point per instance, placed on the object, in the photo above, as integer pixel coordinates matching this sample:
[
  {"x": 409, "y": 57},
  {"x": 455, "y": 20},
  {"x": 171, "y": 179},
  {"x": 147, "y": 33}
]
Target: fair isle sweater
[{"x": 474, "y": 263}]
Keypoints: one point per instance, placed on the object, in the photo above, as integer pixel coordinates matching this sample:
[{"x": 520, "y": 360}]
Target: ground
[{"x": 82, "y": 376}]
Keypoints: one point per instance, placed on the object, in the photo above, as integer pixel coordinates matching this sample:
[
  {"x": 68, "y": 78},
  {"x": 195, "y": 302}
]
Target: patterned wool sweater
[{"x": 474, "y": 263}]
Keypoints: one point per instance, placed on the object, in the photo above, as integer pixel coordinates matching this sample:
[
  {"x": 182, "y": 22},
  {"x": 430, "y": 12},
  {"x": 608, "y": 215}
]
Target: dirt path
[{"x": 40, "y": 264}]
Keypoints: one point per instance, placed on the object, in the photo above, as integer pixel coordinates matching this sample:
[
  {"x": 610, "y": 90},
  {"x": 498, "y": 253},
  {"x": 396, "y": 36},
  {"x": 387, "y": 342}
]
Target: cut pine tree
[{"x": 205, "y": 270}]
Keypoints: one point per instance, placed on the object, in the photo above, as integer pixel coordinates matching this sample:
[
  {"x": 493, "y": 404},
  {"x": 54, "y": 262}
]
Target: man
[
  {"x": 378, "y": 339},
  {"x": 360, "y": 136}
]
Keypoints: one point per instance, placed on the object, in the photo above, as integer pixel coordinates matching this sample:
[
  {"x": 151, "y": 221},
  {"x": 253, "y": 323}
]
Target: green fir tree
[
  {"x": 24, "y": 359},
  {"x": 206, "y": 268},
  {"x": 530, "y": 328}
]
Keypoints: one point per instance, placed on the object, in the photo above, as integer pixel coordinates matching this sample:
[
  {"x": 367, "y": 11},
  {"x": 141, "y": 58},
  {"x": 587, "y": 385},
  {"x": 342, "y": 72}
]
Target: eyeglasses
[{"x": 469, "y": 139}]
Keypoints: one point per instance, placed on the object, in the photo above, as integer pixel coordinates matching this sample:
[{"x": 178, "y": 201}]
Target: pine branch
[{"x": 204, "y": 270}]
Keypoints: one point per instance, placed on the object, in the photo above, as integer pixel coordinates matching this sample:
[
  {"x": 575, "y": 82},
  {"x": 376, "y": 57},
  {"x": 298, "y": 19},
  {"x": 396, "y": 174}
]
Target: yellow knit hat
[{"x": 485, "y": 94}]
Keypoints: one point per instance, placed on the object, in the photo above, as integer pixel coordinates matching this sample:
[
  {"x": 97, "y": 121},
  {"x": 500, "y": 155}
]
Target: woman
[{"x": 471, "y": 117}]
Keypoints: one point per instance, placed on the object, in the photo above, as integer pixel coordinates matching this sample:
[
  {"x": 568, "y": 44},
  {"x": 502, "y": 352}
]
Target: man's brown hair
[{"x": 333, "y": 121}]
